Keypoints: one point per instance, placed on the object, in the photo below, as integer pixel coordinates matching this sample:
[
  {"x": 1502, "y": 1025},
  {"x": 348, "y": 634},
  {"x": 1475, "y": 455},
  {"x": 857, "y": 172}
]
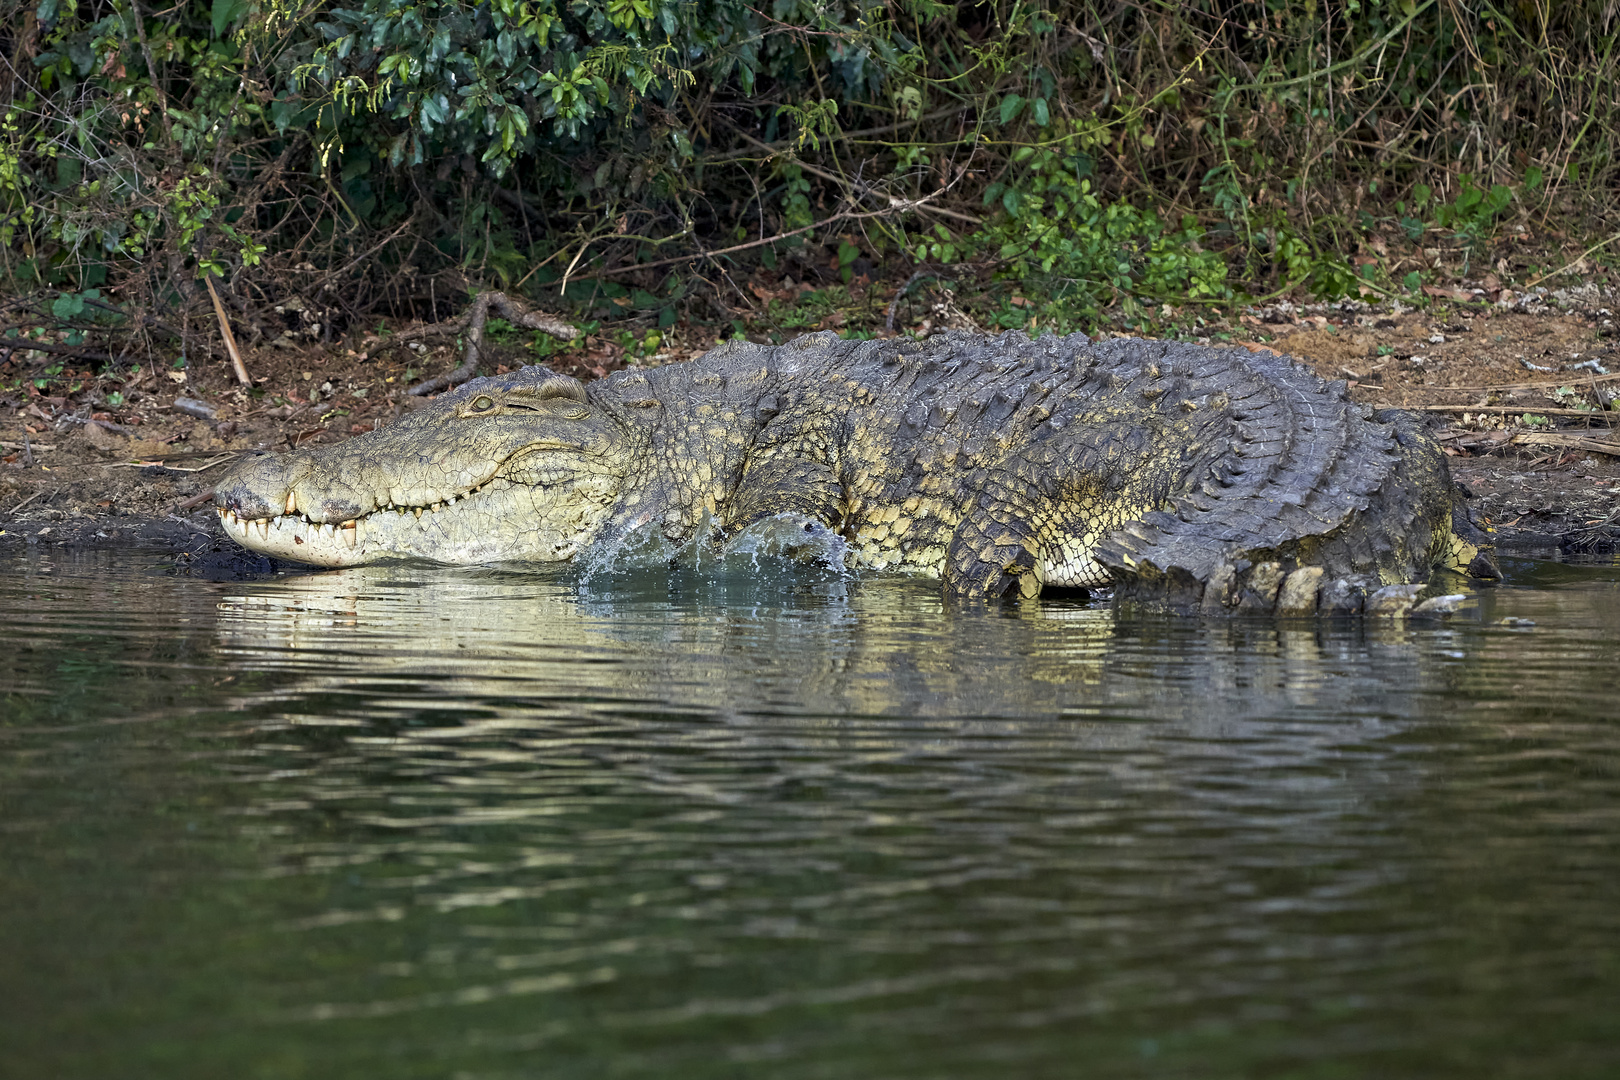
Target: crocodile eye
[{"x": 483, "y": 403}]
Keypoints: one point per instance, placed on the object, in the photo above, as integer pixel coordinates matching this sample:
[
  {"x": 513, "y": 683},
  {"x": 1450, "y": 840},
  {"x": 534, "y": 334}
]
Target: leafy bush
[
  {"x": 367, "y": 149},
  {"x": 1053, "y": 227}
]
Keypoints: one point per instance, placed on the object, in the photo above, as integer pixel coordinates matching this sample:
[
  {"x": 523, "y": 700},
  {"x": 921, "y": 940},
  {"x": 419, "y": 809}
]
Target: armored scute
[{"x": 1183, "y": 477}]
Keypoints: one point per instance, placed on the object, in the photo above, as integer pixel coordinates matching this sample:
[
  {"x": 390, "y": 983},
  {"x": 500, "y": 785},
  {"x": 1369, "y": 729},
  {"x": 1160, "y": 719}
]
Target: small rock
[
  {"x": 1259, "y": 594},
  {"x": 1513, "y": 622},
  {"x": 1449, "y": 604},
  {"x": 1393, "y": 601},
  {"x": 1340, "y": 597},
  {"x": 1299, "y": 589},
  {"x": 1218, "y": 590},
  {"x": 192, "y": 407}
]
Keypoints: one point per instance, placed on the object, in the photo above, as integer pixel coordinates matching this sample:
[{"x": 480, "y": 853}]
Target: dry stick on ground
[
  {"x": 225, "y": 331},
  {"x": 34, "y": 496},
  {"x": 509, "y": 309},
  {"x": 24, "y": 344},
  {"x": 1499, "y": 410},
  {"x": 1568, "y": 442},
  {"x": 195, "y": 501},
  {"x": 1553, "y": 384}
]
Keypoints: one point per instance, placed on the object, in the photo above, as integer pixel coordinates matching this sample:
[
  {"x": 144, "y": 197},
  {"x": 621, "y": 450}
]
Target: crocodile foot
[{"x": 1269, "y": 588}]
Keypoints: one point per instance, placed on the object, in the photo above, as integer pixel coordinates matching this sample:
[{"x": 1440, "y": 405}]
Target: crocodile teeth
[
  {"x": 264, "y": 528},
  {"x": 419, "y": 513},
  {"x": 351, "y": 532},
  {"x": 292, "y": 502}
]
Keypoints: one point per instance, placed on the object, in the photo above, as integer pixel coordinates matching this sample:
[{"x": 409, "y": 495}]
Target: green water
[{"x": 405, "y": 822}]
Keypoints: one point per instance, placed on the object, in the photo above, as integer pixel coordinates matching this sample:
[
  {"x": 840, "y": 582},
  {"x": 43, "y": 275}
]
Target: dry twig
[
  {"x": 225, "y": 331},
  {"x": 514, "y": 312},
  {"x": 1568, "y": 442},
  {"x": 1499, "y": 410}
]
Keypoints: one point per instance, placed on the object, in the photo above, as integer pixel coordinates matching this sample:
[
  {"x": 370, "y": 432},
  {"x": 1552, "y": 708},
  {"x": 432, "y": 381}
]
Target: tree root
[{"x": 472, "y": 324}]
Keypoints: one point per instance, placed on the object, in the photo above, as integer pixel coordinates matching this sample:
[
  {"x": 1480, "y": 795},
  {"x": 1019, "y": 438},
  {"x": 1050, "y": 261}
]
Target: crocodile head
[{"x": 521, "y": 467}]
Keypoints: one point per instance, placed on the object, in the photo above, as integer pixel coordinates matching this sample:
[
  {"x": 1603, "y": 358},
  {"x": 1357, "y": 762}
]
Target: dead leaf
[{"x": 1443, "y": 293}]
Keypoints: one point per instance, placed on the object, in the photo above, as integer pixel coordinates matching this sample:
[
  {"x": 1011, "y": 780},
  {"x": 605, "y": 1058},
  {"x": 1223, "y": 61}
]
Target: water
[{"x": 407, "y": 822}]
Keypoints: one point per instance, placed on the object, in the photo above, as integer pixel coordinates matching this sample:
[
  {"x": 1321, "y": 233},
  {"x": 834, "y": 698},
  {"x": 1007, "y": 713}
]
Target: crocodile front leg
[
  {"x": 992, "y": 554},
  {"x": 785, "y": 484}
]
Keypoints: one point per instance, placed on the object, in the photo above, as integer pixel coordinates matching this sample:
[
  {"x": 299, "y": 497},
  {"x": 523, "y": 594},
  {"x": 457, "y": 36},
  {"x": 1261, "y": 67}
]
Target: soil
[{"x": 1515, "y": 389}]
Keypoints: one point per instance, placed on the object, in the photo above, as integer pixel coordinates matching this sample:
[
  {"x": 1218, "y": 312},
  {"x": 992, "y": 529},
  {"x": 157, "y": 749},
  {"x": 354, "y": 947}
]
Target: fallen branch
[
  {"x": 34, "y": 496},
  {"x": 473, "y": 322},
  {"x": 195, "y": 501},
  {"x": 1523, "y": 386},
  {"x": 162, "y": 461},
  {"x": 1501, "y": 410},
  {"x": 1567, "y": 442},
  {"x": 95, "y": 355}
]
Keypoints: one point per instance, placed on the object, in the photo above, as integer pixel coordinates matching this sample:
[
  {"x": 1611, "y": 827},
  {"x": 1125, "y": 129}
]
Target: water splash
[{"x": 782, "y": 547}]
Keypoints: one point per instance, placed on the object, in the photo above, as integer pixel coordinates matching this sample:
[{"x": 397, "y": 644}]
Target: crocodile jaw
[{"x": 501, "y": 522}]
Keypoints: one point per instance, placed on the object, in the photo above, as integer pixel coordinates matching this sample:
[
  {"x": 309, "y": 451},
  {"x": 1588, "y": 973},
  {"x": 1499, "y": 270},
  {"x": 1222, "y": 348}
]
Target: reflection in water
[{"x": 717, "y": 822}]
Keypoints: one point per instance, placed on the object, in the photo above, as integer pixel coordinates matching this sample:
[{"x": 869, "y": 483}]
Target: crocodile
[{"x": 1183, "y": 477}]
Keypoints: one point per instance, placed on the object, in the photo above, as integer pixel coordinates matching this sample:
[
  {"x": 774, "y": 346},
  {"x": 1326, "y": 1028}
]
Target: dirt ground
[{"x": 1517, "y": 389}]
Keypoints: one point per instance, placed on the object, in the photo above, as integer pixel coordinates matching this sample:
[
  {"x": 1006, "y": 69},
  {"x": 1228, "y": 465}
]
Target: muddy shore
[{"x": 1517, "y": 394}]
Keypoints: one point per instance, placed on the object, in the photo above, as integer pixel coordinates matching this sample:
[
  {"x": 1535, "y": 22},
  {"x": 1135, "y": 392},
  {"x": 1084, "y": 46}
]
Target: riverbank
[{"x": 1515, "y": 387}]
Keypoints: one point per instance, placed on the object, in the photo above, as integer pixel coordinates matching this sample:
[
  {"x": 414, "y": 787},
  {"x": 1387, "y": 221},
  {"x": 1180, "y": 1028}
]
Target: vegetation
[{"x": 638, "y": 160}]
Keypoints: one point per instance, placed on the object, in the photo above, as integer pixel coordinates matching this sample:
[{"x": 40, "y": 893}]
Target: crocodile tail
[{"x": 1295, "y": 477}]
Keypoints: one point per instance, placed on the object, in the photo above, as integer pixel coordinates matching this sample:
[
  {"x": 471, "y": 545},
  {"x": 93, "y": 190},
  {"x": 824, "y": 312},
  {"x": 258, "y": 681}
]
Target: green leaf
[
  {"x": 225, "y": 13},
  {"x": 1043, "y": 115},
  {"x": 67, "y": 306},
  {"x": 1009, "y": 108}
]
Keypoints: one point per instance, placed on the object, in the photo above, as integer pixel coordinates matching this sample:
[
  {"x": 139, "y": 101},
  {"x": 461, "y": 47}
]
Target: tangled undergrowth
[{"x": 638, "y": 165}]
